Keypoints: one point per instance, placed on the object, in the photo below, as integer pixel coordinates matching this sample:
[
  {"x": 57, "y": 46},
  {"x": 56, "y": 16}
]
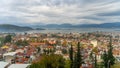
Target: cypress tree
[
  {"x": 108, "y": 57},
  {"x": 79, "y": 59},
  {"x": 71, "y": 56},
  {"x": 105, "y": 59},
  {"x": 111, "y": 59},
  {"x": 95, "y": 61},
  {"x": 75, "y": 61}
]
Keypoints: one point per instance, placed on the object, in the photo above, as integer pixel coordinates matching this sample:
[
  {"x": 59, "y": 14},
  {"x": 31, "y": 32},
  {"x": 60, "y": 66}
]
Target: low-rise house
[{"x": 9, "y": 56}]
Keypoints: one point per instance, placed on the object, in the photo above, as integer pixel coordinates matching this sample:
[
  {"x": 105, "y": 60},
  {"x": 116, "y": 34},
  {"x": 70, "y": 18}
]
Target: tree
[
  {"x": 71, "y": 56},
  {"x": 78, "y": 57},
  {"x": 67, "y": 64},
  {"x": 75, "y": 63},
  {"x": 64, "y": 51},
  {"x": 95, "y": 61},
  {"x": 94, "y": 54},
  {"x": 105, "y": 59},
  {"x": 49, "y": 61},
  {"x": 111, "y": 59},
  {"x": 64, "y": 43},
  {"x": 8, "y": 39},
  {"x": 1, "y": 41},
  {"x": 22, "y": 43},
  {"x": 108, "y": 57}
]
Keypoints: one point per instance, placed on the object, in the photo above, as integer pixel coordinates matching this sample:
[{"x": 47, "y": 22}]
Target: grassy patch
[{"x": 117, "y": 65}]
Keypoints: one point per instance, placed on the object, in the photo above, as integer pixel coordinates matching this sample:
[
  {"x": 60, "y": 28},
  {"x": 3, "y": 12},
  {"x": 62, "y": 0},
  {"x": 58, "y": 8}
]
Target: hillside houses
[{"x": 57, "y": 43}]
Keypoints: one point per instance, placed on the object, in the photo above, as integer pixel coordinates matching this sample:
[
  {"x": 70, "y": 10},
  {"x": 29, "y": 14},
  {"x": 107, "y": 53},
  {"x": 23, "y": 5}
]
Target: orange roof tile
[{"x": 37, "y": 44}]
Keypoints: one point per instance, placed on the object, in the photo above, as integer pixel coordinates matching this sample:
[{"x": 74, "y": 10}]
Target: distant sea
[
  {"x": 68, "y": 30},
  {"x": 76, "y": 30}
]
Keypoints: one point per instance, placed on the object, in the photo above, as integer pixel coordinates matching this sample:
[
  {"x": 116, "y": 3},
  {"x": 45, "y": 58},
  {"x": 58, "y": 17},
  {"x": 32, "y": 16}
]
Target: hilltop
[{"x": 9, "y": 27}]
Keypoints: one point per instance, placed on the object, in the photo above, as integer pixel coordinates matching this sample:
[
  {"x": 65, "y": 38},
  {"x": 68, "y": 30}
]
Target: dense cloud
[{"x": 59, "y": 11}]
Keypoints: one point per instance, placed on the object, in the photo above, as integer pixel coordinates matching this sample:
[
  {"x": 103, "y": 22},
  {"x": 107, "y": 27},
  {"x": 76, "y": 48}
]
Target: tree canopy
[
  {"x": 22, "y": 43},
  {"x": 108, "y": 57},
  {"x": 8, "y": 39},
  {"x": 49, "y": 61}
]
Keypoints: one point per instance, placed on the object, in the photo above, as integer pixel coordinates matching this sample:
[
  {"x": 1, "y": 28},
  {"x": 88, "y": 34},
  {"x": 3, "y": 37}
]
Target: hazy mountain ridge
[
  {"x": 9, "y": 27},
  {"x": 104, "y": 25}
]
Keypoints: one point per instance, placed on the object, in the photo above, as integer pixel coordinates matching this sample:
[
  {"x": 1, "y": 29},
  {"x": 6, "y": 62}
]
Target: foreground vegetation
[
  {"x": 49, "y": 61},
  {"x": 117, "y": 65}
]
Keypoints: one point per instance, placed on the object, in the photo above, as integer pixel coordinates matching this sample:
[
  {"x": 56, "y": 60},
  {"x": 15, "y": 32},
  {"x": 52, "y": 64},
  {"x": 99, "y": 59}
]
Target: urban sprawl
[{"x": 73, "y": 50}]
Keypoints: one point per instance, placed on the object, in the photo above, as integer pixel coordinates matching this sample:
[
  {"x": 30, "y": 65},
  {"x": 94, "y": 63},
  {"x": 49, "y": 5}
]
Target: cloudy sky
[{"x": 59, "y": 11}]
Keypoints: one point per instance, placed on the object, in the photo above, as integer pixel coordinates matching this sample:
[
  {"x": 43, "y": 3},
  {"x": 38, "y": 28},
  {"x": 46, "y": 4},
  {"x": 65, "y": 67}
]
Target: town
[{"x": 25, "y": 49}]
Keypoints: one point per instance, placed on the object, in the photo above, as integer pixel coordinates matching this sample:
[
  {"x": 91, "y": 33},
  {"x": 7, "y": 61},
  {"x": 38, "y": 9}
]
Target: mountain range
[
  {"x": 104, "y": 25},
  {"x": 10, "y": 27}
]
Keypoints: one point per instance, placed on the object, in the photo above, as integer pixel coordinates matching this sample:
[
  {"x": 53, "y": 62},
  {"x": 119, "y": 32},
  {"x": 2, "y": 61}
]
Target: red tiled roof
[
  {"x": 49, "y": 46},
  {"x": 19, "y": 53},
  {"x": 37, "y": 44}
]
